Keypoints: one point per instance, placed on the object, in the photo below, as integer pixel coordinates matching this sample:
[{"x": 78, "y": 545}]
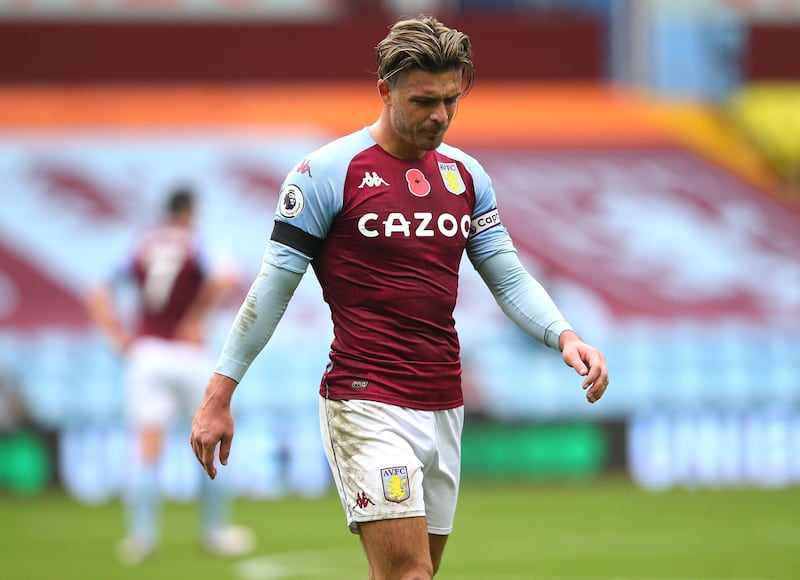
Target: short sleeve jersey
[
  {"x": 168, "y": 270},
  {"x": 386, "y": 237}
]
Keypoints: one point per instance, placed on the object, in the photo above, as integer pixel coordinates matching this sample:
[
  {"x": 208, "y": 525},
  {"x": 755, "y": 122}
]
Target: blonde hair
[{"x": 424, "y": 43}]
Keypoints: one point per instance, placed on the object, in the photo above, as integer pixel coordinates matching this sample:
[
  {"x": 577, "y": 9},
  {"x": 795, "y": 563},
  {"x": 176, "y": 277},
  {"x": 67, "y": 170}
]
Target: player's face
[{"x": 422, "y": 105}]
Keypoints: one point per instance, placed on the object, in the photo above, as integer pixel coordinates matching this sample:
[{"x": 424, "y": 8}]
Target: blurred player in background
[
  {"x": 166, "y": 363},
  {"x": 14, "y": 412},
  {"x": 384, "y": 216}
]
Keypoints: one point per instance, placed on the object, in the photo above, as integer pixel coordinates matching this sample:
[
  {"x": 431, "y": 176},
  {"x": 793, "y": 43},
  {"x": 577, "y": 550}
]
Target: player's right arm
[
  {"x": 255, "y": 322},
  {"x": 213, "y": 423},
  {"x": 305, "y": 210},
  {"x": 303, "y": 215},
  {"x": 257, "y": 318}
]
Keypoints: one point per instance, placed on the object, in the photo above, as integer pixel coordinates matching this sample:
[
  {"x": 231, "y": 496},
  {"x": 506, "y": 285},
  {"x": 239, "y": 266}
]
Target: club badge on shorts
[{"x": 395, "y": 483}]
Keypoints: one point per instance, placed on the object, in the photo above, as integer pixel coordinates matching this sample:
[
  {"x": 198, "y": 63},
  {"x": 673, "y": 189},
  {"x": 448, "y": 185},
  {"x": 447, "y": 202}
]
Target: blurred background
[{"x": 646, "y": 158}]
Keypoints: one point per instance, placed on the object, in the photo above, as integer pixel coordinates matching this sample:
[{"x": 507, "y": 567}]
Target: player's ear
[{"x": 385, "y": 90}]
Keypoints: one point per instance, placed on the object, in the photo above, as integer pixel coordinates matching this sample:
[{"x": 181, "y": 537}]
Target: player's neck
[{"x": 388, "y": 140}]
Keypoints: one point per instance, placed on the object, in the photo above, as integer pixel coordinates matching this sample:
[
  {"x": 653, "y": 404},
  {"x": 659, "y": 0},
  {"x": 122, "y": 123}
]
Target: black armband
[{"x": 292, "y": 236}]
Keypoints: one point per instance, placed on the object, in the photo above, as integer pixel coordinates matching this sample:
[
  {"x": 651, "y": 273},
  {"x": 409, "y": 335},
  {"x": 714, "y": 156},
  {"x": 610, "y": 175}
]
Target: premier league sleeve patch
[
  {"x": 395, "y": 484},
  {"x": 292, "y": 201}
]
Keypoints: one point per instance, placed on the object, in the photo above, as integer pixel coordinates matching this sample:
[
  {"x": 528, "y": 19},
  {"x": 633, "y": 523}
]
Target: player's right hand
[{"x": 212, "y": 425}]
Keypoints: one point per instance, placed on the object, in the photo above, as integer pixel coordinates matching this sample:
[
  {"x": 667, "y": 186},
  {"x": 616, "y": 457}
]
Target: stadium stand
[{"x": 681, "y": 263}]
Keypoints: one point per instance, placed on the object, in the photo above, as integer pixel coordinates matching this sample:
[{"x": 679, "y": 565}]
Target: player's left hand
[{"x": 588, "y": 362}]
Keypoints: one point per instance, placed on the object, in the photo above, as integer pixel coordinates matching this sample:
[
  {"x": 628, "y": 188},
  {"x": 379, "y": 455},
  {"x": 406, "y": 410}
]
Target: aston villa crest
[
  {"x": 395, "y": 484},
  {"x": 452, "y": 178}
]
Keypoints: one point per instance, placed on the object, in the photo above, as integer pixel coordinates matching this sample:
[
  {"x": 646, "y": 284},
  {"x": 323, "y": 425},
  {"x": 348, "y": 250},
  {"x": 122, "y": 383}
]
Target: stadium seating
[{"x": 67, "y": 380}]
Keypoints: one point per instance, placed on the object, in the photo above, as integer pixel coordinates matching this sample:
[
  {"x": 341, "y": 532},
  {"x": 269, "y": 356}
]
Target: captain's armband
[{"x": 484, "y": 222}]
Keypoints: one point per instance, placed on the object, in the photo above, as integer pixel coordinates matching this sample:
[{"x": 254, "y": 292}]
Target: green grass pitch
[{"x": 605, "y": 529}]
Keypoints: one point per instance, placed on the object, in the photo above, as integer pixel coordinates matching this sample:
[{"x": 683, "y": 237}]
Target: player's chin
[{"x": 432, "y": 142}]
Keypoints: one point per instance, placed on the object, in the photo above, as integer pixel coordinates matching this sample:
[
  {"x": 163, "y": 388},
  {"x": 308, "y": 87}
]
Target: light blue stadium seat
[
  {"x": 10, "y": 349},
  {"x": 46, "y": 376}
]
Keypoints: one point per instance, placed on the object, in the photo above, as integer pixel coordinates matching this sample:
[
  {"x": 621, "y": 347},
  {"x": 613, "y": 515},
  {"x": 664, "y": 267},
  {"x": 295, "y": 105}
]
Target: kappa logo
[
  {"x": 372, "y": 179},
  {"x": 362, "y": 501},
  {"x": 304, "y": 167}
]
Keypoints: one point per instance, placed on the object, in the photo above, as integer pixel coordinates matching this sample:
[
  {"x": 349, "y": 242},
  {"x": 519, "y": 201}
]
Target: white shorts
[
  {"x": 392, "y": 462},
  {"x": 165, "y": 381}
]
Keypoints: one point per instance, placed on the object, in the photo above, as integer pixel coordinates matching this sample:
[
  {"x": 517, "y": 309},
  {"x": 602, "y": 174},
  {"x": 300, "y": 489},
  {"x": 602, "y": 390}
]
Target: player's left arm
[{"x": 523, "y": 299}]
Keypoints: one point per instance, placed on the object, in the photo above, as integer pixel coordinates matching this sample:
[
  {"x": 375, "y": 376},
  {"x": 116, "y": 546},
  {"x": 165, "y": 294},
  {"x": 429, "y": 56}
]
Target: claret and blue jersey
[
  {"x": 385, "y": 237},
  {"x": 168, "y": 268}
]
